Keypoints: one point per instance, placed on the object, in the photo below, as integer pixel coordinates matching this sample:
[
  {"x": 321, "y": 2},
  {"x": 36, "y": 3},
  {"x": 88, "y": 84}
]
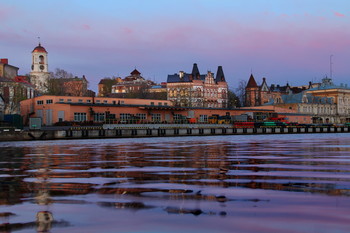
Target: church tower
[{"x": 39, "y": 74}]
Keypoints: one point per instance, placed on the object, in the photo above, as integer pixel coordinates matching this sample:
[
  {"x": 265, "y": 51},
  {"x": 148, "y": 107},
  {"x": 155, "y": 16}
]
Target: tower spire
[
  {"x": 220, "y": 77},
  {"x": 195, "y": 71}
]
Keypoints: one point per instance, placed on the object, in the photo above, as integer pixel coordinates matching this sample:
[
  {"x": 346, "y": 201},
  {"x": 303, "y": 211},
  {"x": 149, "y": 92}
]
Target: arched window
[{"x": 41, "y": 59}]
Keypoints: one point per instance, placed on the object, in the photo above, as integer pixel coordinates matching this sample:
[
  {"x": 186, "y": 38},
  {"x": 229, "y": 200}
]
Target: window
[
  {"x": 98, "y": 101},
  {"x": 80, "y": 100},
  {"x": 178, "y": 118},
  {"x": 61, "y": 100},
  {"x": 99, "y": 117},
  {"x": 124, "y": 117},
  {"x": 152, "y": 103},
  {"x": 80, "y": 116},
  {"x": 49, "y": 102},
  {"x": 141, "y": 116},
  {"x": 69, "y": 100},
  {"x": 165, "y": 104},
  {"x": 88, "y": 101},
  {"x": 203, "y": 118},
  {"x": 105, "y": 101},
  {"x": 156, "y": 117},
  {"x": 40, "y": 102},
  {"x": 160, "y": 103}
]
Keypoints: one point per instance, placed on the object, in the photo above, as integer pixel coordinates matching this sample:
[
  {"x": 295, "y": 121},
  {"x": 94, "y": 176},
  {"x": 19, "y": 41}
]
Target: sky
[{"x": 292, "y": 41}]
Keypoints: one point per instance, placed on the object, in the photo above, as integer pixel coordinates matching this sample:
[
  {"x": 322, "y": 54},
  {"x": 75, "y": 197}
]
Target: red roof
[
  {"x": 251, "y": 82},
  {"x": 39, "y": 49}
]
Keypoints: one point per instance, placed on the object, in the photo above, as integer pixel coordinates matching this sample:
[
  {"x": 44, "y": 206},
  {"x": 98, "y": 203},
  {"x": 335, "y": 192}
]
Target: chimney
[
  {"x": 4, "y": 61},
  {"x": 181, "y": 74}
]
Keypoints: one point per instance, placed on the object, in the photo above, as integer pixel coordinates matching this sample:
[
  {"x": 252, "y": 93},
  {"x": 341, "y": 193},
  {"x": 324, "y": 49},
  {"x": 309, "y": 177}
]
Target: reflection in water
[{"x": 274, "y": 180}]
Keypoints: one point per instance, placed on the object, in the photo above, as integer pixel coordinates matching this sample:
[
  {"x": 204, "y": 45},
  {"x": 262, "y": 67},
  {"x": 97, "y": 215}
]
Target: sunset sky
[{"x": 282, "y": 40}]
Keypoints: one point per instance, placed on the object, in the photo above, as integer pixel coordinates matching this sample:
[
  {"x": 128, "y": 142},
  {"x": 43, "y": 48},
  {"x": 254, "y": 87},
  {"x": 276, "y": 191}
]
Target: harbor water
[{"x": 238, "y": 183}]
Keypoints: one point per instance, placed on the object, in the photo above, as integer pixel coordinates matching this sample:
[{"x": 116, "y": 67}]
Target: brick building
[{"x": 198, "y": 90}]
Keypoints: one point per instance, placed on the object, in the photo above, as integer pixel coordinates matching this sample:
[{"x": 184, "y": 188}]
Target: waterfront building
[
  {"x": 198, "y": 90},
  {"x": 322, "y": 103},
  {"x": 39, "y": 75},
  {"x": 258, "y": 95},
  {"x": 55, "y": 109},
  {"x": 13, "y": 88},
  {"x": 339, "y": 111}
]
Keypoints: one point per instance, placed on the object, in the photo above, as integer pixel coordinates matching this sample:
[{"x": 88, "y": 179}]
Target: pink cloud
[
  {"x": 86, "y": 27},
  {"x": 339, "y": 14}
]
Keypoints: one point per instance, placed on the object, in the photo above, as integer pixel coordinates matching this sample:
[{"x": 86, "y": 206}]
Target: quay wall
[{"x": 128, "y": 131}]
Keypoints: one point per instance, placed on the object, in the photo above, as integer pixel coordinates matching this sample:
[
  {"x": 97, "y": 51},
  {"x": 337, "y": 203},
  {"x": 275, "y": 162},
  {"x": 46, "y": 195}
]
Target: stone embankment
[{"x": 160, "y": 130}]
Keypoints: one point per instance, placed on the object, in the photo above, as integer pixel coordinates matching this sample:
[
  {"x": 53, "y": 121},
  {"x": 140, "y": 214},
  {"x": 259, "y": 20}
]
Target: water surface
[{"x": 253, "y": 183}]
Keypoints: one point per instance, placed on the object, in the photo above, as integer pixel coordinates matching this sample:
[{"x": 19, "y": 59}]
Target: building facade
[
  {"x": 258, "y": 95},
  {"x": 132, "y": 84},
  {"x": 14, "y": 88},
  {"x": 340, "y": 96},
  {"x": 55, "y": 109},
  {"x": 322, "y": 103},
  {"x": 69, "y": 86},
  {"x": 198, "y": 90}
]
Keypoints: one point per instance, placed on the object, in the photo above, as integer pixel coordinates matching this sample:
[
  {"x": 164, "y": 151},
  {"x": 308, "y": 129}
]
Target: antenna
[{"x": 331, "y": 65}]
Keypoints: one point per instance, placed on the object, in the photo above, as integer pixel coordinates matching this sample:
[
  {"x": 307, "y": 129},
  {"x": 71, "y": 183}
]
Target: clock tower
[{"x": 39, "y": 75}]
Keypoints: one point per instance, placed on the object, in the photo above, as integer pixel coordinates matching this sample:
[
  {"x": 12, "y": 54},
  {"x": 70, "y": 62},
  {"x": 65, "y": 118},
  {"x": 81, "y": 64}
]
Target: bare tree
[
  {"x": 64, "y": 83},
  {"x": 17, "y": 94},
  {"x": 240, "y": 91},
  {"x": 60, "y": 73},
  {"x": 233, "y": 100}
]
